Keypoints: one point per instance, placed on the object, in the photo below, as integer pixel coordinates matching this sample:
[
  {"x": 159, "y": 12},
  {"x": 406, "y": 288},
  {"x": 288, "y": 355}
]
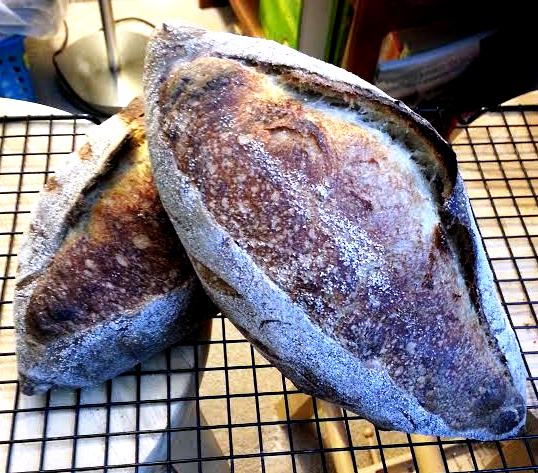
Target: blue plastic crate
[{"x": 15, "y": 82}]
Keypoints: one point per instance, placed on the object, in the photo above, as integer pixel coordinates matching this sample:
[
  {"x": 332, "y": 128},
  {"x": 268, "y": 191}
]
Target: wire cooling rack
[{"x": 239, "y": 413}]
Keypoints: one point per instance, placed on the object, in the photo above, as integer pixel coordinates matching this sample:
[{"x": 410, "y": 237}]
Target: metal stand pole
[{"x": 109, "y": 30}]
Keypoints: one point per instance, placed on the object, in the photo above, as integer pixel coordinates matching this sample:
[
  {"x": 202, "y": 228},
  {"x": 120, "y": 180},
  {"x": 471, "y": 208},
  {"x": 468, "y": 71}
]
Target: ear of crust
[{"x": 171, "y": 45}]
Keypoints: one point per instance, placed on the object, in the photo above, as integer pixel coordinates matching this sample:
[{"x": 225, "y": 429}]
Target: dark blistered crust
[
  {"x": 103, "y": 351},
  {"x": 240, "y": 147},
  {"x": 118, "y": 286},
  {"x": 465, "y": 370},
  {"x": 126, "y": 253}
]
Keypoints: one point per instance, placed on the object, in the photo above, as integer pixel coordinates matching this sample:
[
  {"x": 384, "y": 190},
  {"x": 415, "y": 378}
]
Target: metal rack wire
[{"x": 240, "y": 414}]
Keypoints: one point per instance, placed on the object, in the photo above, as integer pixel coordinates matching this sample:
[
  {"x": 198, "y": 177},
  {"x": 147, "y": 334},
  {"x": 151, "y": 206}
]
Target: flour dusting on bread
[
  {"x": 103, "y": 279},
  {"x": 320, "y": 217}
]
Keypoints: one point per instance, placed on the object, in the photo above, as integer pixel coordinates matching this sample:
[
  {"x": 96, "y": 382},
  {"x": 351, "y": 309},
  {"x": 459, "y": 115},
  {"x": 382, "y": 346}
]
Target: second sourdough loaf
[
  {"x": 103, "y": 281},
  {"x": 330, "y": 224}
]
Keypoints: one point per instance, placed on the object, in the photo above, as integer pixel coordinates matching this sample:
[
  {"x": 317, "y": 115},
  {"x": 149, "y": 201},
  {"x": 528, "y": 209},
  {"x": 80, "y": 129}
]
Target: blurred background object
[
  {"x": 103, "y": 71},
  {"x": 449, "y": 54},
  {"x": 35, "y": 18},
  {"x": 82, "y": 18},
  {"x": 20, "y": 18},
  {"x": 15, "y": 82}
]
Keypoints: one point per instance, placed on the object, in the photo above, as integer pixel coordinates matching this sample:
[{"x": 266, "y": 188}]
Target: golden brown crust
[
  {"x": 122, "y": 252},
  {"x": 52, "y": 184},
  {"x": 134, "y": 110},
  {"x": 213, "y": 280},
  {"x": 263, "y": 162},
  {"x": 85, "y": 152}
]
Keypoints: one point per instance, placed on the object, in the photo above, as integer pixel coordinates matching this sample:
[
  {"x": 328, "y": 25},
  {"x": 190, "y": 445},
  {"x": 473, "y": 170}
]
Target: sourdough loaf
[
  {"x": 329, "y": 223},
  {"x": 103, "y": 281}
]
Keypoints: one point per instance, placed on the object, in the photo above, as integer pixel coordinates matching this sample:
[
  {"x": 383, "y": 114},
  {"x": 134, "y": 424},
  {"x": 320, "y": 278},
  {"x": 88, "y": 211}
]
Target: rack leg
[
  {"x": 300, "y": 407},
  {"x": 333, "y": 433},
  {"x": 428, "y": 457}
]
